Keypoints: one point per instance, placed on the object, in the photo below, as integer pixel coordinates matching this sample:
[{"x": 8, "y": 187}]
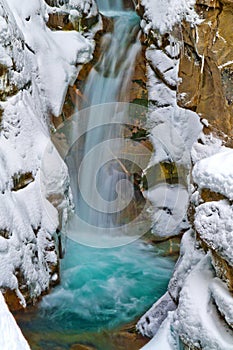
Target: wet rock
[{"x": 138, "y": 89}]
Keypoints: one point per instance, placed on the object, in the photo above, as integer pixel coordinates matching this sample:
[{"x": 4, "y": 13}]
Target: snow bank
[
  {"x": 216, "y": 172},
  {"x": 11, "y": 337}
]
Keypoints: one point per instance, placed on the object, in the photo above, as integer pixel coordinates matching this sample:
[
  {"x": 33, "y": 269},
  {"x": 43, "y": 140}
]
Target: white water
[{"x": 101, "y": 289}]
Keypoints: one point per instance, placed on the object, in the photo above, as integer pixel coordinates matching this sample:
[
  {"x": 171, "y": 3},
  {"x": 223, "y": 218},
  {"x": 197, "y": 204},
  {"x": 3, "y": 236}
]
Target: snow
[
  {"x": 77, "y": 8},
  {"x": 216, "y": 172},
  {"x": 177, "y": 137},
  {"x": 57, "y": 53},
  {"x": 151, "y": 321},
  {"x": 167, "y": 66},
  {"x": 190, "y": 255},
  {"x": 173, "y": 132},
  {"x": 207, "y": 146},
  {"x": 223, "y": 299},
  {"x": 162, "y": 73},
  {"x": 17, "y": 216},
  {"x": 162, "y": 15},
  {"x": 163, "y": 340},
  {"x": 213, "y": 222},
  {"x": 11, "y": 337},
  {"x": 177, "y": 128},
  {"x": 169, "y": 206},
  {"x": 196, "y": 318}
]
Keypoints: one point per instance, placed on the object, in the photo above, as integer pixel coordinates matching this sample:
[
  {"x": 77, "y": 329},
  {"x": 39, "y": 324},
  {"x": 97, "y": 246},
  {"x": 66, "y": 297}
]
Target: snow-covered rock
[
  {"x": 169, "y": 206},
  {"x": 76, "y": 8},
  {"x": 206, "y": 146},
  {"x": 57, "y": 53},
  {"x": 196, "y": 319},
  {"x": 223, "y": 299},
  {"x": 216, "y": 172},
  {"x": 190, "y": 255},
  {"x": 164, "y": 338},
  {"x": 181, "y": 127},
  {"x": 173, "y": 130},
  {"x": 149, "y": 323},
  {"x": 37, "y": 66},
  {"x": 213, "y": 222},
  {"x": 162, "y": 15},
  {"x": 203, "y": 317}
]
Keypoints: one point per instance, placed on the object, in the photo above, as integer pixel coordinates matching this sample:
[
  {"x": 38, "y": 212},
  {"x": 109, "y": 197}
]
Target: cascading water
[
  {"x": 101, "y": 288},
  {"x": 107, "y": 5},
  {"x": 110, "y": 77},
  {"x": 108, "y": 81}
]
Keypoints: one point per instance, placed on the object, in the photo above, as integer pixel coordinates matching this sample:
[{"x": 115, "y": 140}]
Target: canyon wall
[{"x": 196, "y": 313}]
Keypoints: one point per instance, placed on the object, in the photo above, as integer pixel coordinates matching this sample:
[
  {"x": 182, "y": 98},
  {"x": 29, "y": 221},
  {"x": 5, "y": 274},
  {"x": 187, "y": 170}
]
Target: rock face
[{"x": 207, "y": 60}]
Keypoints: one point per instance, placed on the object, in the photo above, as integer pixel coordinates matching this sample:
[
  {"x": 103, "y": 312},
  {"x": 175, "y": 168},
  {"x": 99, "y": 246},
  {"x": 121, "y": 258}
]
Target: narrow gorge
[{"x": 116, "y": 180}]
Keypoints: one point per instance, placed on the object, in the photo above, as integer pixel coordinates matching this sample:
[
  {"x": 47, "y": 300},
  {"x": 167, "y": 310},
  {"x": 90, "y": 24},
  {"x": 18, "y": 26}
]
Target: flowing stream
[{"x": 101, "y": 289}]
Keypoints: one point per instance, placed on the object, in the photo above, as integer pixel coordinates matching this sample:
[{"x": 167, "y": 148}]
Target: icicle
[{"x": 202, "y": 63}]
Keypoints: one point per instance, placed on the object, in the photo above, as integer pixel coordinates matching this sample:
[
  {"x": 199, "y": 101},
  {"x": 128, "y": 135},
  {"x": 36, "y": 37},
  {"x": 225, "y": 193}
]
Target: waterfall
[
  {"x": 109, "y": 78},
  {"x": 108, "y": 5},
  {"x": 108, "y": 81}
]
